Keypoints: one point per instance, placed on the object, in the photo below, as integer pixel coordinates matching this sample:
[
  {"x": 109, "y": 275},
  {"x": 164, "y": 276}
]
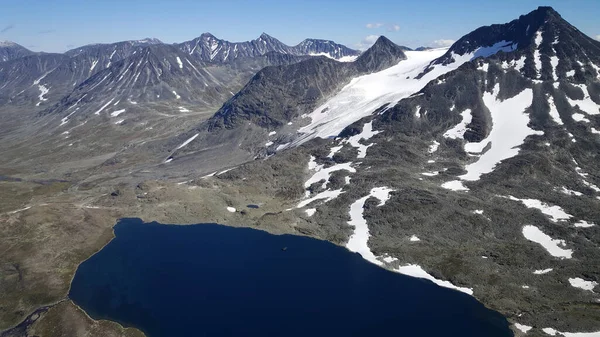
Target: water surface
[{"x": 212, "y": 280}]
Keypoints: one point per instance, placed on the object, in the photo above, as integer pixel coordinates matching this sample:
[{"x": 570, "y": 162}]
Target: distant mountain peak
[
  {"x": 265, "y": 36},
  {"x": 149, "y": 40},
  {"x": 10, "y": 51},
  {"x": 211, "y": 49},
  {"x": 207, "y": 35},
  {"x": 7, "y": 44},
  {"x": 383, "y": 54},
  {"x": 543, "y": 29}
]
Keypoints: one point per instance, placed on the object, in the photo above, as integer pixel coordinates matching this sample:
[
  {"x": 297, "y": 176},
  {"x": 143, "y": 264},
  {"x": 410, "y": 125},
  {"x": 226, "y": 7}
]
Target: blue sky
[{"x": 58, "y": 25}]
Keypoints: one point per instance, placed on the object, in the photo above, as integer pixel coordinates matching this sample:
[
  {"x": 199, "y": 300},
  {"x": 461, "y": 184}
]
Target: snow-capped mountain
[
  {"x": 474, "y": 167},
  {"x": 485, "y": 154},
  {"x": 10, "y": 51},
  {"x": 161, "y": 73},
  {"x": 266, "y": 102},
  {"x": 326, "y": 48},
  {"x": 211, "y": 49},
  {"x": 45, "y": 78},
  {"x": 121, "y": 49},
  {"x": 540, "y": 37}
]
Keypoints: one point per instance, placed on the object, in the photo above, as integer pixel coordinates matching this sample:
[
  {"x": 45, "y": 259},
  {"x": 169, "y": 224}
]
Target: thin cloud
[
  {"x": 7, "y": 28},
  {"x": 367, "y": 42},
  {"x": 598, "y": 37},
  {"x": 373, "y": 25},
  {"x": 393, "y": 28},
  {"x": 46, "y": 31},
  {"x": 443, "y": 42}
]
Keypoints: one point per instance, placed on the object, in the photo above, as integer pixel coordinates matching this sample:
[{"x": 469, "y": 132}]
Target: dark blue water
[{"x": 212, "y": 280}]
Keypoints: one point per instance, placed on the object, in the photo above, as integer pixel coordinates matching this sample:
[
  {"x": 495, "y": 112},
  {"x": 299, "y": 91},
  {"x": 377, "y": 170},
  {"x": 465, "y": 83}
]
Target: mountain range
[{"x": 473, "y": 166}]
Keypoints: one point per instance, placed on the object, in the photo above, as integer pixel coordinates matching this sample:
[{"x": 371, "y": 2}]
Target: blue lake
[{"x": 213, "y": 280}]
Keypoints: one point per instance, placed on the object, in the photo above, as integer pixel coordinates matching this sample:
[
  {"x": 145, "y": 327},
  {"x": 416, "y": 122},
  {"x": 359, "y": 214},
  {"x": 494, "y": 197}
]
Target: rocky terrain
[{"x": 485, "y": 152}]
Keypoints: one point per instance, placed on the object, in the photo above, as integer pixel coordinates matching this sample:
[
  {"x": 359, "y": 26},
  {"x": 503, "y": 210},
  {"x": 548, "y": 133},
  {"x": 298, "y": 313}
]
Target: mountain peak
[
  {"x": 383, "y": 54},
  {"x": 382, "y": 40},
  {"x": 522, "y": 35},
  {"x": 265, "y": 36},
  {"x": 149, "y": 40},
  {"x": 207, "y": 36},
  {"x": 7, "y": 44}
]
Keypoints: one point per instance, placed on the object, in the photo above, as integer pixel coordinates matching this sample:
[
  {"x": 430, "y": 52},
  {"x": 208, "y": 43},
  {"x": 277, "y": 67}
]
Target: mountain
[
  {"x": 121, "y": 49},
  {"x": 307, "y": 83},
  {"x": 163, "y": 73},
  {"x": 473, "y": 166},
  {"x": 10, "y": 51},
  {"x": 324, "y": 47},
  {"x": 45, "y": 78},
  {"x": 208, "y": 48},
  {"x": 538, "y": 37},
  {"x": 486, "y": 153}
]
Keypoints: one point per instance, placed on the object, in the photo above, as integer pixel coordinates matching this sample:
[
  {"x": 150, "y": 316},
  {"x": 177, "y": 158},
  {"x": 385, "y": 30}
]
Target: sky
[{"x": 59, "y": 25}]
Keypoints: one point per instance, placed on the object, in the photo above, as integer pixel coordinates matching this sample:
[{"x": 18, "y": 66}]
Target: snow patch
[
  {"x": 325, "y": 195},
  {"x": 509, "y": 131},
  {"x": 43, "y": 92},
  {"x": 458, "y": 131},
  {"x": 433, "y": 147},
  {"x": 542, "y": 271},
  {"x": 103, "y": 107},
  {"x": 567, "y": 191},
  {"x": 231, "y": 209},
  {"x": 179, "y": 62},
  {"x": 586, "y": 104},
  {"x": 187, "y": 141},
  {"x": 334, "y": 150},
  {"x": 522, "y": 328},
  {"x": 455, "y": 185},
  {"x": 580, "y": 118},
  {"x": 310, "y": 211},
  {"x": 554, "y": 112},
  {"x": 534, "y": 234},
  {"x": 554, "y": 63},
  {"x": 536, "y": 54},
  {"x": 325, "y": 173},
  {"x": 358, "y": 241},
  {"x": 580, "y": 283},
  {"x": 583, "y": 224},
  {"x": 416, "y": 271},
  {"x": 116, "y": 113},
  {"x": 366, "y": 134},
  {"x": 414, "y": 238},
  {"x": 556, "y": 213}
]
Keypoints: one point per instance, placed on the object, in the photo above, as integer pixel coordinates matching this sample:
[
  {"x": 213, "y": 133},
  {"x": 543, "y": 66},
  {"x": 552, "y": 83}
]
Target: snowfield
[
  {"x": 358, "y": 242},
  {"x": 534, "y": 234},
  {"x": 364, "y": 94},
  {"x": 508, "y": 132},
  {"x": 555, "y": 213}
]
